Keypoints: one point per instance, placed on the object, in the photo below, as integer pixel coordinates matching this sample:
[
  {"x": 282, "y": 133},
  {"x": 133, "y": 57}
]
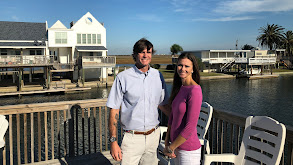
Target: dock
[{"x": 43, "y": 91}]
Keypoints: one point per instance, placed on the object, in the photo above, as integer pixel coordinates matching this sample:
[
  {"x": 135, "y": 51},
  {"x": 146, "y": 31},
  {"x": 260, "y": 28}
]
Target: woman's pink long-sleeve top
[{"x": 184, "y": 116}]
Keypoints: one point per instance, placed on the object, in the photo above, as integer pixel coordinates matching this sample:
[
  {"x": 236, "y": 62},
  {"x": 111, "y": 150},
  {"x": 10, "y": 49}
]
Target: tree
[
  {"x": 271, "y": 36},
  {"x": 287, "y": 42},
  {"x": 247, "y": 47},
  {"x": 175, "y": 48}
]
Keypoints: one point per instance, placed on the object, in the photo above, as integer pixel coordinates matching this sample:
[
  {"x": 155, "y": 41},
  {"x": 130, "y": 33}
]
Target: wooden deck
[{"x": 100, "y": 158}]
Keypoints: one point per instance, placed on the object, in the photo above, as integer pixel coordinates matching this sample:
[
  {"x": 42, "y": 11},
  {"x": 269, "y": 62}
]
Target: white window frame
[{"x": 60, "y": 37}]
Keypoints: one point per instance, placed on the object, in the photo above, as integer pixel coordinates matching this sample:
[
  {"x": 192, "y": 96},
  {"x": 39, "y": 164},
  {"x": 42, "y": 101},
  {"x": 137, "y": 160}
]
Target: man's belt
[{"x": 142, "y": 133}]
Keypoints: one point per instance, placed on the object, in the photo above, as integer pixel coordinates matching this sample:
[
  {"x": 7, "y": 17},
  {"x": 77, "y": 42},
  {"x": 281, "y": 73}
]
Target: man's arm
[
  {"x": 113, "y": 126},
  {"x": 166, "y": 109}
]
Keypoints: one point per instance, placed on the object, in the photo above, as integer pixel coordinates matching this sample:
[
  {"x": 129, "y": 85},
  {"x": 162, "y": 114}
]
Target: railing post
[{"x": 71, "y": 129}]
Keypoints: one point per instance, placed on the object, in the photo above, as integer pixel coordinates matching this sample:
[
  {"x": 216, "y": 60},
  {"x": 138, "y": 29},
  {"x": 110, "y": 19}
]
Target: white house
[
  {"x": 220, "y": 60},
  {"x": 83, "y": 44}
]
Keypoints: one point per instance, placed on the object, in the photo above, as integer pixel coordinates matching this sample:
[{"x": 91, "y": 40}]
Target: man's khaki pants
[{"x": 140, "y": 149}]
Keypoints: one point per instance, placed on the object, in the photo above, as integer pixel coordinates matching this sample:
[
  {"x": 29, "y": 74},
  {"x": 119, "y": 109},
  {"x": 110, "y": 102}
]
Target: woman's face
[{"x": 184, "y": 68}]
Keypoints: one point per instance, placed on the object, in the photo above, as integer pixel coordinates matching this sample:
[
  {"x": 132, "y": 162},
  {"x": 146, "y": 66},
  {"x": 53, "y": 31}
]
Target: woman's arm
[{"x": 167, "y": 144}]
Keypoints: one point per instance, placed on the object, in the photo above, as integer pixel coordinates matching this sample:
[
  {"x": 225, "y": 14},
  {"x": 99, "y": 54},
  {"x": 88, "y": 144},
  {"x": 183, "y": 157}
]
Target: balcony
[
  {"x": 262, "y": 61},
  {"x": 98, "y": 61},
  {"x": 25, "y": 60}
]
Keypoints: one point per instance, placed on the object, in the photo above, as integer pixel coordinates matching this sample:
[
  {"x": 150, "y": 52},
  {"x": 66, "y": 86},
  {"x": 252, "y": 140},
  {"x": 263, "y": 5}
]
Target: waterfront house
[
  {"x": 82, "y": 45},
  {"x": 23, "y": 45},
  {"x": 78, "y": 52},
  {"x": 245, "y": 60}
]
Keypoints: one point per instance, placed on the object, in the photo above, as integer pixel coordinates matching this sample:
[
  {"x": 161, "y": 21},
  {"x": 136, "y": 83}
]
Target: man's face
[{"x": 144, "y": 57}]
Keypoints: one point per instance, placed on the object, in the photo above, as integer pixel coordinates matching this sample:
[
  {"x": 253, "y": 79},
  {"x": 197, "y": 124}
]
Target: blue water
[{"x": 270, "y": 97}]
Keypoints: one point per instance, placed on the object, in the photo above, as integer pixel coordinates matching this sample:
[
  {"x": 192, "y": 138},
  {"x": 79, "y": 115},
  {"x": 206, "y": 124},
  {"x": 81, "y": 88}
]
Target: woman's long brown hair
[{"x": 177, "y": 83}]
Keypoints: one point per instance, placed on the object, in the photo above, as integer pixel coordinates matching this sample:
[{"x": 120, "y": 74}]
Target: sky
[{"x": 192, "y": 24}]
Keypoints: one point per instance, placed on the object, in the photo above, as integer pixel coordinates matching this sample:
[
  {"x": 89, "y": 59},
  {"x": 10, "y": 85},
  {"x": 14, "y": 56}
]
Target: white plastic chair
[
  {"x": 203, "y": 124},
  {"x": 3, "y": 129},
  {"x": 263, "y": 143}
]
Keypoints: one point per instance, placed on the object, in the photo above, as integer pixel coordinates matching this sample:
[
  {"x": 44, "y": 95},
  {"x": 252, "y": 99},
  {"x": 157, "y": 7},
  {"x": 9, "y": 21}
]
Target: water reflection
[{"x": 267, "y": 97}]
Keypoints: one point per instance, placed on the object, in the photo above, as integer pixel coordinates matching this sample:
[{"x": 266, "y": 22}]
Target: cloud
[
  {"x": 149, "y": 17},
  {"x": 183, "y": 5},
  {"x": 225, "y": 19},
  {"x": 238, "y": 7}
]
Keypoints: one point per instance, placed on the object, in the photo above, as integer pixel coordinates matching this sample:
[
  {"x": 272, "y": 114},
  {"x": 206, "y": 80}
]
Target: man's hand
[{"x": 116, "y": 151}]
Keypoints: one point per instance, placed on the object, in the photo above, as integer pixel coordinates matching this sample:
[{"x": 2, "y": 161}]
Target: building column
[
  {"x": 20, "y": 79},
  {"x": 30, "y": 75},
  {"x": 83, "y": 77}
]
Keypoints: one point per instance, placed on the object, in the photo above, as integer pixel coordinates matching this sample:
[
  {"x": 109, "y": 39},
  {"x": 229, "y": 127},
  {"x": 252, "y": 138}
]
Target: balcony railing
[
  {"x": 46, "y": 131},
  {"x": 262, "y": 61},
  {"x": 63, "y": 67},
  {"x": 220, "y": 60},
  {"x": 25, "y": 60},
  {"x": 98, "y": 61}
]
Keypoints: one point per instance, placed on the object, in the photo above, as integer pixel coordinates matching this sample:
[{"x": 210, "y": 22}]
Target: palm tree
[
  {"x": 247, "y": 47},
  {"x": 175, "y": 48},
  {"x": 271, "y": 36},
  {"x": 287, "y": 41}
]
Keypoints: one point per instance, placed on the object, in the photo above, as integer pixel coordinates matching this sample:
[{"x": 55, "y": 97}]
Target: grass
[
  {"x": 156, "y": 59},
  {"x": 282, "y": 70},
  {"x": 170, "y": 73}
]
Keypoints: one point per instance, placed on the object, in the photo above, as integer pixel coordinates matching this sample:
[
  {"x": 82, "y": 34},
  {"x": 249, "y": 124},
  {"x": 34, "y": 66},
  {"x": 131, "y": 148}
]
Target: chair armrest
[
  {"x": 209, "y": 158},
  {"x": 161, "y": 146},
  {"x": 206, "y": 144}
]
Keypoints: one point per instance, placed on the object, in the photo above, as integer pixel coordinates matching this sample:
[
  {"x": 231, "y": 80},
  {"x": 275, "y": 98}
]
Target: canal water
[{"x": 268, "y": 97}]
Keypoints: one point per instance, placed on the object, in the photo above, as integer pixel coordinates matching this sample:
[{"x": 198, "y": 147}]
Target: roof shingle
[{"x": 22, "y": 31}]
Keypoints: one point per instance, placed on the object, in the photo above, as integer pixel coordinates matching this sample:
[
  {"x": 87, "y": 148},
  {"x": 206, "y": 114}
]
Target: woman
[{"x": 182, "y": 142}]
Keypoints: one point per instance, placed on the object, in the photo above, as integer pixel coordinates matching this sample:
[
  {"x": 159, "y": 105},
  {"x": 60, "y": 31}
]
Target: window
[
  {"x": 78, "y": 38},
  {"x": 83, "y": 38},
  {"x": 4, "y": 52},
  {"x": 17, "y": 52},
  {"x": 94, "y": 38},
  {"x": 89, "y": 38},
  {"x": 32, "y": 52},
  {"x": 99, "y": 38},
  {"x": 39, "y": 52},
  {"x": 60, "y": 37},
  {"x": 36, "y": 52}
]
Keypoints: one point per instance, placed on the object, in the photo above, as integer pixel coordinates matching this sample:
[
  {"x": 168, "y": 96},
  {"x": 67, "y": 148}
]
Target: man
[{"x": 139, "y": 91}]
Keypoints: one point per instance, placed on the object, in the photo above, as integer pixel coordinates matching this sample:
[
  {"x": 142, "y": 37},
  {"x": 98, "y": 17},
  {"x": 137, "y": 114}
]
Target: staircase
[{"x": 228, "y": 64}]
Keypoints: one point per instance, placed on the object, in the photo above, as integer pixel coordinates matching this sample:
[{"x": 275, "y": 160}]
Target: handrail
[
  {"x": 80, "y": 127},
  {"x": 44, "y": 131},
  {"x": 88, "y": 61}
]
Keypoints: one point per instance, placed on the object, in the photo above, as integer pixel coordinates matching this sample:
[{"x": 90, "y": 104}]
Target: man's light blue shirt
[{"x": 139, "y": 95}]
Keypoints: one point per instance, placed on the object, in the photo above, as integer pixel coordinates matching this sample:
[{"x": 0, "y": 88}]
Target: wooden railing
[
  {"x": 226, "y": 131},
  {"x": 98, "y": 61},
  {"x": 25, "y": 60},
  {"x": 45, "y": 131}
]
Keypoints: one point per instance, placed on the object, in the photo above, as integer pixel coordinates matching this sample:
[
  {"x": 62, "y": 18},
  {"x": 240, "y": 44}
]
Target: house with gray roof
[{"x": 78, "y": 52}]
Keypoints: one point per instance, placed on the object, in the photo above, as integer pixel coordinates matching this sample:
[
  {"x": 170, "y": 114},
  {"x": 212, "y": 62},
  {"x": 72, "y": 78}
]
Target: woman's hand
[{"x": 168, "y": 152}]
